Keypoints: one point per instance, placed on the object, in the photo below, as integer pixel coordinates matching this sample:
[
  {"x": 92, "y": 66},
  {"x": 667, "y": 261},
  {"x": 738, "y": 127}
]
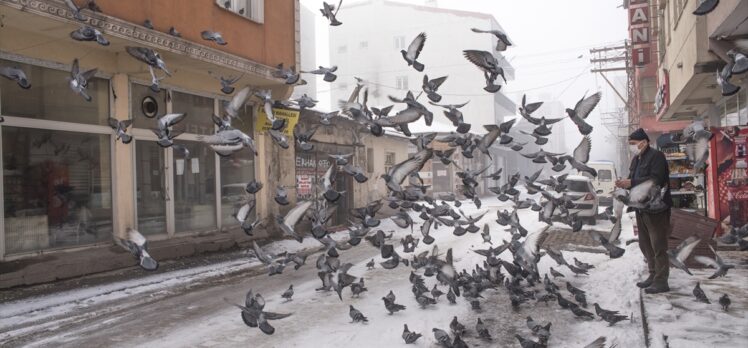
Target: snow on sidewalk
[{"x": 689, "y": 323}]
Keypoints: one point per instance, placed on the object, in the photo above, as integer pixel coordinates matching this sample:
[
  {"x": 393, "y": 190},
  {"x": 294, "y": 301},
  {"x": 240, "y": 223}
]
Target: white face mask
[{"x": 634, "y": 149}]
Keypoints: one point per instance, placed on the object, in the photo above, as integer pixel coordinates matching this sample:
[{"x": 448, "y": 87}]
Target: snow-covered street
[{"x": 189, "y": 307}]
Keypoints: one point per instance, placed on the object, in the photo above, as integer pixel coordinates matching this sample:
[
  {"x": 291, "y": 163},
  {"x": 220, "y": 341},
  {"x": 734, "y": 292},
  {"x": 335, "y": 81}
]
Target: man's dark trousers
[{"x": 654, "y": 231}]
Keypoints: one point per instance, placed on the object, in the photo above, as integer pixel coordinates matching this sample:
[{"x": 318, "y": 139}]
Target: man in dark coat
[{"x": 654, "y": 226}]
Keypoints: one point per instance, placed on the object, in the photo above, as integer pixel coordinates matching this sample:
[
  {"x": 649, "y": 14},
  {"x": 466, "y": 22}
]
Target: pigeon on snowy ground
[
  {"x": 356, "y": 315},
  {"x": 288, "y": 294},
  {"x": 138, "y": 245},
  {"x": 391, "y": 306},
  {"x": 456, "y": 327},
  {"x": 253, "y": 313},
  {"x": 581, "y": 313},
  {"x": 556, "y": 274},
  {"x": 699, "y": 294},
  {"x": 370, "y": 264},
  {"x": 502, "y": 41},
  {"x": 78, "y": 80},
  {"x": 597, "y": 343},
  {"x": 528, "y": 343},
  {"x": 724, "y": 301},
  {"x": 679, "y": 255},
  {"x": 612, "y": 319},
  {"x": 451, "y": 297},
  {"x": 442, "y": 337},
  {"x": 414, "y": 50},
  {"x": 330, "y": 12},
  {"x": 409, "y": 336},
  {"x": 482, "y": 330},
  {"x": 583, "y": 109},
  {"x": 86, "y": 33},
  {"x": 706, "y": 7},
  {"x": 358, "y": 288},
  {"x": 718, "y": 263}
]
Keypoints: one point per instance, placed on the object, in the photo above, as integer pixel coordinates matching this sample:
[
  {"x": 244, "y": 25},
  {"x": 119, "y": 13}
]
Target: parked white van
[{"x": 605, "y": 182}]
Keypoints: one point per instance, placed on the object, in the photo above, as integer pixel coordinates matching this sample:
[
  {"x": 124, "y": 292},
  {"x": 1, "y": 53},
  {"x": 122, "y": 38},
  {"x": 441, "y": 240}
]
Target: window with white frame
[
  {"x": 252, "y": 9},
  {"x": 399, "y": 42},
  {"x": 401, "y": 82},
  {"x": 56, "y": 159}
]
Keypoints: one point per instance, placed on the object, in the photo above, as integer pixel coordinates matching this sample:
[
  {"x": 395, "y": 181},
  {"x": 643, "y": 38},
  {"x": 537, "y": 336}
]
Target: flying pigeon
[
  {"x": 290, "y": 75},
  {"x": 679, "y": 255},
  {"x": 487, "y": 63},
  {"x": 254, "y": 315},
  {"x": 502, "y": 41},
  {"x": 717, "y": 262},
  {"x": 706, "y": 7},
  {"x": 87, "y": 33},
  {"x": 328, "y": 73},
  {"x": 138, "y": 245},
  {"x": 213, "y": 36},
  {"x": 330, "y": 12},
  {"x": 581, "y": 110},
  {"x": 78, "y": 81},
  {"x": 414, "y": 50},
  {"x": 120, "y": 129},
  {"x": 15, "y": 74},
  {"x": 76, "y": 11},
  {"x": 430, "y": 87}
]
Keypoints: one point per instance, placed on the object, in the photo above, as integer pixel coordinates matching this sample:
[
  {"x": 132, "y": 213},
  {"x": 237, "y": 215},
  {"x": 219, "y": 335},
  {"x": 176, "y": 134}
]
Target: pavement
[{"x": 185, "y": 304}]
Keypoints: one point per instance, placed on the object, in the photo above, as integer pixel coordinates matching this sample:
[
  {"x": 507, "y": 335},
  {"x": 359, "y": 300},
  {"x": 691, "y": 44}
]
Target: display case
[{"x": 687, "y": 186}]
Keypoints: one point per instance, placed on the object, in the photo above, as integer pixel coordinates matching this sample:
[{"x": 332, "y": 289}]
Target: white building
[
  {"x": 372, "y": 52},
  {"x": 307, "y": 55}
]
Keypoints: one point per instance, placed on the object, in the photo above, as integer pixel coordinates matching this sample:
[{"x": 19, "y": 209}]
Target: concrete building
[
  {"x": 373, "y": 54},
  {"x": 68, "y": 185},
  {"x": 307, "y": 51}
]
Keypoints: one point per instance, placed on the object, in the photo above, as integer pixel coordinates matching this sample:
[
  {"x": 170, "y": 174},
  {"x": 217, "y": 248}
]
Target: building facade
[{"x": 372, "y": 53}]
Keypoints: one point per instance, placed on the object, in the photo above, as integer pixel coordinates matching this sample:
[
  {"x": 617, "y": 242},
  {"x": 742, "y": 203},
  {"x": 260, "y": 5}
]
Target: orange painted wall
[{"x": 270, "y": 43}]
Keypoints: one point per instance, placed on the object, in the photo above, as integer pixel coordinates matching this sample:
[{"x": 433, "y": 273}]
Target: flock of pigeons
[{"x": 519, "y": 276}]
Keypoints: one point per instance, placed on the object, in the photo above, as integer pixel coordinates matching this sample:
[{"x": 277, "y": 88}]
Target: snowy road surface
[{"x": 187, "y": 308}]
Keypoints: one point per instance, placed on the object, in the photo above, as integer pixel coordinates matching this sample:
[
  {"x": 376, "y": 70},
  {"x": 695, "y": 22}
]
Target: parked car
[
  {"x": 604, "y": 183},
  {"x": 588, "y": 202}
]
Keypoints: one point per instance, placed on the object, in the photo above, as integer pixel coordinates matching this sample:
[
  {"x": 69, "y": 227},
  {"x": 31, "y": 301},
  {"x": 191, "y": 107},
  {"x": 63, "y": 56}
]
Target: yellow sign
[{"x": 264, "y": 125}]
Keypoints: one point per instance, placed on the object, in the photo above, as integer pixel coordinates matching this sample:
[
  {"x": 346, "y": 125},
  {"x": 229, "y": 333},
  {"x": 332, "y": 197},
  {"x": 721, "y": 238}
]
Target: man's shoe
[
  {"x": 646, "y": 282},
  {"x": 657, "y": 288}
]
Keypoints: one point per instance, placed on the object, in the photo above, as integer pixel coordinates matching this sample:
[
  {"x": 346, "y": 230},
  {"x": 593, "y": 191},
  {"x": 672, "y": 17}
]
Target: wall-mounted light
[{"x": 149, "y": 106}]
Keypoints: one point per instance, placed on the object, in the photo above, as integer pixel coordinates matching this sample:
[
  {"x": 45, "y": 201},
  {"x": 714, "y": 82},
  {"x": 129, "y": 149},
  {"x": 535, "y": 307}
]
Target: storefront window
[
  {"x": 150, "y": 192},
  {"x": 194, "y": 188},
  {"x": 50, "y": 98},
  {"x": 146, "y": 106},
  {"x": 57, "y": 188},
  {"x": 199, "y": 111},
  {"x": 236, "y": 171}
]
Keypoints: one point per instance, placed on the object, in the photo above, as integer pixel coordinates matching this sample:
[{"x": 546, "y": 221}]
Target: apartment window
[
  {"x": 56, "y": 180},
  {"x": 399, "y": 42},
  {"x": 363, "y": 44},
  {"x": 254, "y": 10},
  {"x": 370, "y": 160},
  {"x": 389, "y": 161},
  {"x": 401, "y": 82},
  {"x": 50, "y": 98},
  {"x": 342, "y": 49}
]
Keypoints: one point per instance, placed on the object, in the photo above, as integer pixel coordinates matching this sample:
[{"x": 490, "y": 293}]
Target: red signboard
[{"x": 640, "y": 32}]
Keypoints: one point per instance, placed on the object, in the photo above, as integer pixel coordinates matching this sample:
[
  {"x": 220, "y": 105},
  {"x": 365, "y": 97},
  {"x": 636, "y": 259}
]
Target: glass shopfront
[
  {"x": 57, "y": 188},
  {"x": 177, "y": 191}
]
